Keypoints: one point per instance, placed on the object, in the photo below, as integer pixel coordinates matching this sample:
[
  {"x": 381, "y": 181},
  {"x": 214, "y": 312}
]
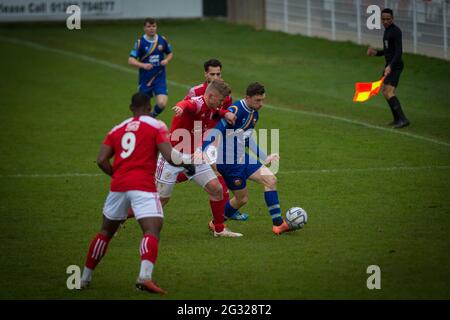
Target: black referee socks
[{"x": 396, "y": 109}]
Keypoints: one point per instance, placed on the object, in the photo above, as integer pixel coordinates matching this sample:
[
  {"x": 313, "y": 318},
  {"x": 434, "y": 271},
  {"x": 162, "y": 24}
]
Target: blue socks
[
  {"x": 273, "y": 204},
  {"x": 156, "y": 111},
  {"x": 229, "y": 210}
]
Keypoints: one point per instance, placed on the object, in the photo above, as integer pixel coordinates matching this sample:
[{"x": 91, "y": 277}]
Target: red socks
[
  {"x": 149, "y": 248},
  {"x": 226, "y": 194},
  {"x": 181, "y": 177},
  {"x": 97, "y": 250},
  {"x": 218, "y": 209}
]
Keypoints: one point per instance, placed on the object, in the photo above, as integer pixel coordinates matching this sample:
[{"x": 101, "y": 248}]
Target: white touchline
[
  {"x": 52, "y": 175},
  {"x": 336, "y": 170},
  {"x": 344, "y": 170},
  {"x": 129, "y": 70}
]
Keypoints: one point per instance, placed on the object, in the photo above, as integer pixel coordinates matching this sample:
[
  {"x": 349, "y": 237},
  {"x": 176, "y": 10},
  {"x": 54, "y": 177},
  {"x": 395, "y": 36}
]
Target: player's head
[
  {"x": 387, "y": 17},
  {"x": 213, "y": 70},
  {"x": 255, "y": 95},
  {"x": 140, "y": 104},
  {"x": 215, "y": 93},
  {"x": 150, "y": 27}
]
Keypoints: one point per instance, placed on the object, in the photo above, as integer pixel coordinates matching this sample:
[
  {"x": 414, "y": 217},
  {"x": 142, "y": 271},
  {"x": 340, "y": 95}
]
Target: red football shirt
[
  {"x": 199, "y": 90},
  {"x": 187, "y": 131},
  {"x": 134, "y": 143}
]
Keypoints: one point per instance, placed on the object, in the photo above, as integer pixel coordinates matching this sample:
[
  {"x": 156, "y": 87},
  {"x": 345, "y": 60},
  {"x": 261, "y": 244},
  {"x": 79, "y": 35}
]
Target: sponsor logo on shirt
[
  {"x": 132, "y": 126},
  {"x": 154, "y": 59}
]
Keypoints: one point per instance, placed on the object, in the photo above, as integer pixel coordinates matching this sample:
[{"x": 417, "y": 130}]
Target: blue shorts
[
  {"x": 236, "y": 175},
  {"x": 157, "y": 87}
]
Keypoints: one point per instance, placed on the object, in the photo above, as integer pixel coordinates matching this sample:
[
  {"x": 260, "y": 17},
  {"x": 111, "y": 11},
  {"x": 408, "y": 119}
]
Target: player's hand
[
  {"x": 371, "y": 52},
  {"x": 190, "y": 169},
  {"x": 178, "y": 111},
  {"x": 274, "y": 157},
  {"x": 387, "y": 71},
  {"x": 164, "y": 62},
  {"x": 230, "y": 117},
  {"x": 210, "y": 154},
  {"x": 147, "y": 66}
]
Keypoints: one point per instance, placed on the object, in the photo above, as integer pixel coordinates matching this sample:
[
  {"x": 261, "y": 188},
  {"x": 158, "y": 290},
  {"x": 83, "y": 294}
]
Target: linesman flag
[{"x": 365, "y": 90}]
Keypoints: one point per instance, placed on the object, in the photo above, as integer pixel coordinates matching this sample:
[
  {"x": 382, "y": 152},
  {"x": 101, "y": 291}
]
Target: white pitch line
[
  {"x": 52, "y": 175},
  {"x": 345, "y": 170},
  {"x": 337, "y": 170},
  {"x": 309, "y": 113}
]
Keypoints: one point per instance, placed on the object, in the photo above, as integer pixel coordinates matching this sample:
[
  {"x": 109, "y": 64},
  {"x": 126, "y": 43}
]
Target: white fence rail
[{"x": 424, "y": 23}]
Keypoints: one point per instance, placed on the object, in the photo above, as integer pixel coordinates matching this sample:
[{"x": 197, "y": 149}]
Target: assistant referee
[{"x": 392, "y": 52}]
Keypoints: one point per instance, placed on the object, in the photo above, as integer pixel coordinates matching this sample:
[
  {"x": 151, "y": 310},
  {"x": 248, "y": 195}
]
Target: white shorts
[
  {"x": 144, "y": 205},
  {"x": 166, "y": 176}
]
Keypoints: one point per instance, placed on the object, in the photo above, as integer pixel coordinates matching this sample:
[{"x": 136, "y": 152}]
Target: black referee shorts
[{"x": 394, "y": 77}]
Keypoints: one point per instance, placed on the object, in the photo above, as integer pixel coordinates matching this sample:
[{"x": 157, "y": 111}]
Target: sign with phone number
[{"x": 27, "y": 8}]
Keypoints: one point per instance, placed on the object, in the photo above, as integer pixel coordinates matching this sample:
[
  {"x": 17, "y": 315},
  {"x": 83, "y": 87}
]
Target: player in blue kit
[
  {"x": 151, "y": 54},
  {"x": 236, "y": 165}
]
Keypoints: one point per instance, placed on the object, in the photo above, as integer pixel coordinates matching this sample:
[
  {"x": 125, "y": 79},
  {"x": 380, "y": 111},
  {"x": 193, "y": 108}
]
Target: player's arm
[
  {"x": 229, "y": 116},
  {"x": 104, "y": 157},
  {"x": 374, "y": 52},
  {"x": 169, "y": 54},
  {"x": 176, "y": 158},
  {"x": 212, "y": 135},
  {"x": 133, "y": 59},
  {"x": 136, "y": 63},
  {"x": 184, "y": 106},
  {"x": 379, "y": 53},
  {"x": 266, "y": 159},
  {"x": 173, "y": 156},
  {"x": 167, "y": 59},
  {"x": 253, "y": 147},
  {"x": 230, "y": 112},
  {"x": 398, "y": 49}
]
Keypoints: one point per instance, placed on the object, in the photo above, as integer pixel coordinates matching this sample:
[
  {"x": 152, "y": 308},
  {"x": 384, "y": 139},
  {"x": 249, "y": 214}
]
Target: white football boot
[{"x": 227, "y": 233}]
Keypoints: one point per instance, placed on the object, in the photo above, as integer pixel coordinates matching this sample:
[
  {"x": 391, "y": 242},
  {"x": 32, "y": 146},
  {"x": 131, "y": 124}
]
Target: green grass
[{"x": 56, "y": 108}]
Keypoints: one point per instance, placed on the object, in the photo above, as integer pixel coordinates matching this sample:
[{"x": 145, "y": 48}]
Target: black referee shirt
[{"x": 392, "y": 47}]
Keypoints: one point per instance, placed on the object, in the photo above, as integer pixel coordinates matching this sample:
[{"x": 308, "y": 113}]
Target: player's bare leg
[
  {"x": 240, "y": 198},
  {"x": 164, "y": 201},
  {"x": 400, "y": 119},
  {"x": 151, "y": 228},
  {"x": 161, "y": 102},
  {"x": 165, "y": 191},
  {"x": 265, "y": 177},
  {"x": 98, "y": 248}
]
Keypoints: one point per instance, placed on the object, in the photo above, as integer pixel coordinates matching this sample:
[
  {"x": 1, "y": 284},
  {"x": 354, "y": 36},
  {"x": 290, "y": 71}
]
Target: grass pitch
[{"x": 375, "y": 196}]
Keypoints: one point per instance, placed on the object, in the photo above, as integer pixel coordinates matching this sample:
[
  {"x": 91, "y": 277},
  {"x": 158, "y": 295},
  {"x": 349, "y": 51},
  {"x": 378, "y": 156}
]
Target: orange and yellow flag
[{"x": 364, "y": 90}]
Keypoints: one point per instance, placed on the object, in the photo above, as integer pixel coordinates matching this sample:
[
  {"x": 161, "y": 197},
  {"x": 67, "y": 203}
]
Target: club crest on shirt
[
  {"x": 160, "y": 47},
  {"x": 132, "y": 126},
  {"x": 237, "y": 182}
]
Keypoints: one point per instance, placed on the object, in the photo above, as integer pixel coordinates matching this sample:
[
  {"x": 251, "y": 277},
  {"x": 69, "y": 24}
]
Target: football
[{"x": 296, "y": 218}]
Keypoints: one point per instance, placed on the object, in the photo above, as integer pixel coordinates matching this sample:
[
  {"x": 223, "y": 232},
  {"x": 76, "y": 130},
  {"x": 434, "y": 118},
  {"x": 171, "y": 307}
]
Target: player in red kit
[
  {"x": 134, "y": 144},
  {"x": 192, "y": 118},
  {"x": 213, "y": 70}
]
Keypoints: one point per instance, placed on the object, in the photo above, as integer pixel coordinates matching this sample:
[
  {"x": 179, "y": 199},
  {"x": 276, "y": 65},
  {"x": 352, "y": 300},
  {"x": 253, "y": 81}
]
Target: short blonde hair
[{"x": 220, "y": 86}]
